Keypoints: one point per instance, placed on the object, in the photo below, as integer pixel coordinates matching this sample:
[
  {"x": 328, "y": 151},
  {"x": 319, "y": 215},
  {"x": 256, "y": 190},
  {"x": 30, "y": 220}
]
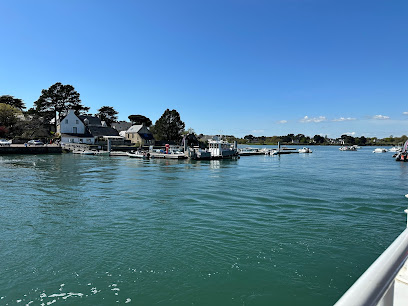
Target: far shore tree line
[
  {"x": 301, "y": 139},
  {"x": 39, "y": 121}
]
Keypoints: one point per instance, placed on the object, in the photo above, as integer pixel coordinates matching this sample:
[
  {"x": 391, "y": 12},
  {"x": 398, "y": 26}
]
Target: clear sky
[{"x": 261, "y": 67}]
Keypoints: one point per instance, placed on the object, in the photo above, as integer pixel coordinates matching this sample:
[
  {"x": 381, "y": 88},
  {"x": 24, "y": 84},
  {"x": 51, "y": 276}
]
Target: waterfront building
[
  {"x": 84, "y": 129},
  {"x": 140, "y": 134},
  {"x": 121, "y": 126}
]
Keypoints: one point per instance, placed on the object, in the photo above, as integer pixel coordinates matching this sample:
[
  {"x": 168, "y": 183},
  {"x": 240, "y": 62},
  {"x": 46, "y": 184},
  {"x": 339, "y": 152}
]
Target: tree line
[
  {"x": 321, "y": 140},
  {"x": 54, "y": 103}
]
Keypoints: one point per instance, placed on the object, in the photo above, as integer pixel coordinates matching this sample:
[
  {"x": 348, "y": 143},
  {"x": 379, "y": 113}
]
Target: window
[
  {"x": 77, "y": 121},
  {"x": 75, "y": 130},
  {"x": 66, "y": 121}
]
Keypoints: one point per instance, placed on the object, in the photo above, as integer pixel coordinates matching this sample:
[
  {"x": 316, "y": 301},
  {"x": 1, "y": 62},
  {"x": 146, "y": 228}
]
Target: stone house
[{"x": 140, "y": 134}]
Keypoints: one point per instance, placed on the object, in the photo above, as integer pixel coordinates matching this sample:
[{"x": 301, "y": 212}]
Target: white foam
[
  {"x": 52, "y": 302},
  {"x": 57, "y": 294},
  {"x": 94, "y": 290},
  {"x": 128, "y": 300},
  {"x": 69, "y": 294}
]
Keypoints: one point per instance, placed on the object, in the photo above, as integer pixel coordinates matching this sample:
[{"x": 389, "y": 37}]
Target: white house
[{"x": 82, "y": 129}]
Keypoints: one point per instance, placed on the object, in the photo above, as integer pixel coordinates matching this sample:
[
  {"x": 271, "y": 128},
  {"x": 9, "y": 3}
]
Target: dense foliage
[
  {"x": 140, "y": 119},
  {"x": 318, "y": 139},
  {"x": 169, "y": 126},
  {"x": 55, "y": 101},
  {"x": 10, "y": 100},
  {"x": 8, "y": 115},
  {"x": 107, "y": 114}
]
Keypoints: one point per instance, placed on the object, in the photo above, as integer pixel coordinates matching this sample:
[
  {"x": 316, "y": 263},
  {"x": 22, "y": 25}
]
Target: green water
[{"x": 262, "y": 230}]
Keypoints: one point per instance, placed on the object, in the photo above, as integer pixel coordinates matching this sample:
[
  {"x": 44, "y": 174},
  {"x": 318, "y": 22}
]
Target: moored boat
[
  {"x": 83, "y": 152},
  {"x": 380, "y": 150},
  {"x": 348, "y": 148},
  {"x": 221, "y": 149},
  {"x": 138, "y": 154},
  {"x": 250, "y": 151},
  {"x": 305, "y": 150},
  {"x": 395, "y": 149}
]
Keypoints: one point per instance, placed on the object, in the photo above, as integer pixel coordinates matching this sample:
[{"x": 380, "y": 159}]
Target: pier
[{"x": 22, "y": 149}]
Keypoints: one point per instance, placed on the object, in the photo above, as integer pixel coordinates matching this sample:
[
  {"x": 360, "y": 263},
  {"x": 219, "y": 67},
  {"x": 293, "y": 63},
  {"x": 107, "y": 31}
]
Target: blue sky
[{"x": 236, "y": 67}]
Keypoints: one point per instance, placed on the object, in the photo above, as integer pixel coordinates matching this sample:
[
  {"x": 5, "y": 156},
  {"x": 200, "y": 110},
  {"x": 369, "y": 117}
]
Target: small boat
[
  {"x": 395, "y": 149},
  {"x": 380, "y": 150},
  {"x": 351, "y": 148},
  {"x": 305, "y": 150},
  {"x": 138, "y": 154},
  {"x": 118, "y": 153},
  {"x": 83, "y": 152},
  {"x": 250, "y": 151},
  {"x": 102, "y": 153}
]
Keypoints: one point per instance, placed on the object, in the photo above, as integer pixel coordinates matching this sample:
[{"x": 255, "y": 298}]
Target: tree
[
  {"x": 10, "y": 100},
  {"x": 8, "y": 115},
  {"x": 107, "y": 114},
  {"x": 57, "y": 100},
  {"x": 288, "y": 138},
  {"x": 363, "y": 140},
  {"x": 140, "y": 119},
  {"x": 31, "y": 129},
  {"x": 318, "y": 139},
  {"x": 169, "y": 126},
  {"x": 348, "y": 139}
]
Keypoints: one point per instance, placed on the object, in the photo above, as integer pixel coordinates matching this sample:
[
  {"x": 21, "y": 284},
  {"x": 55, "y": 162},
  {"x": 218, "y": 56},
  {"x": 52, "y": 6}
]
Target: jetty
[
  {"x": 22, "y": 149},
  {"x": 284, "y": 150}
]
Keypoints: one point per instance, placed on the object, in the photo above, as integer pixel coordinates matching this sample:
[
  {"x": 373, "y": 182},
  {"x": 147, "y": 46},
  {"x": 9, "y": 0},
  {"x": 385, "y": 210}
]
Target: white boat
[
  {"x": 220, "y": 149},
  {"x": 250, "y": 151},
  {"x": 305, "y": 150},
  {"x": 102, "y": 153},
  {"x": 351, "y": 148},
  {"x": 380, "y": 150},
  {"x": 91, "y": 152},
  {"x": 83, "y": 152},
  {"x": 117, "y": 153},
  {"x": 138, "y": 154},
  {"x": 395, "y": 149}
]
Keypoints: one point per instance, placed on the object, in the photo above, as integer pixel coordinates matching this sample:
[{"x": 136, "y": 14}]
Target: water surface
[{"x": 262, "y": 230}]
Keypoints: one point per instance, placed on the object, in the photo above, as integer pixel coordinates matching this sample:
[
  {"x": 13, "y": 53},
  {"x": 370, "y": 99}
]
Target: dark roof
[
  {"x": 91, "y": 119},
  {"x": 102, "y": 131}
]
